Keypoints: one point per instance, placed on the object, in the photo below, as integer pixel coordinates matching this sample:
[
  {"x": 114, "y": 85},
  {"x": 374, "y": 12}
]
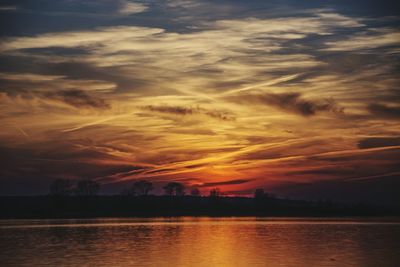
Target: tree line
[{"x": 140, "y": 188}]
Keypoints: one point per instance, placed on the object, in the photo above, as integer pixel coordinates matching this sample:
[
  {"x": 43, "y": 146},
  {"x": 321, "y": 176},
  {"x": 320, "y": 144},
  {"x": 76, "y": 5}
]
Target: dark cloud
[
  {"x": 165, "y": 170},
  {"x": 379, "y": 142},
  {"x": 291, "y": 102},
  {"x": 383, "y": 156},
  {"x": 79, "y": 99},
  {"x": 31, "y": 168},
  {"x": 193, "y": 166},
  {"x": 55, "y": 51},
  {"x": 384, "y": 111},
  {"x": 170, "y": 109},
  {"x": 325, "y": 171},
  {"x": 230, "y": 182},
  {"x": 179, "y": 110},
  {"x": 36, "y": 62}
]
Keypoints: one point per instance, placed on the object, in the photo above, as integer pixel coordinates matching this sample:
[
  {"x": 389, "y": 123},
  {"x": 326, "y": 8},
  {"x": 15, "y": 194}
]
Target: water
[{"x": 200, "y": 242}]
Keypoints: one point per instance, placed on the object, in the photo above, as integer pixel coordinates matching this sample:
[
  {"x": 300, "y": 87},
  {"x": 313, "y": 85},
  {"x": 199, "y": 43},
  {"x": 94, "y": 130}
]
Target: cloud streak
[
  {"x": 183, "y": 111},
  {"x": 372, "y": 39},
  {"x": 223, "y": 183},
  {"x": 290, "y": 102},
  {"x": 79, "y": 99}
]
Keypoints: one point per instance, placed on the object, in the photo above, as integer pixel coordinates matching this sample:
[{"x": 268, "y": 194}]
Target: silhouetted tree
[
  {"x": 169, "y": 189},
  {"x": 179, "y": 189},
  {"x": 87, "y": 188},
  {"x": 61, "y": 187},
  {"x": 126, "y": 192},
  {"x": 142, "y": 188},
  {"x": 215, "y": 192},
  {"x": 259, "y": 193},
  {"x": 195, "y": 192},
  {"x": 174, "y": 189}
]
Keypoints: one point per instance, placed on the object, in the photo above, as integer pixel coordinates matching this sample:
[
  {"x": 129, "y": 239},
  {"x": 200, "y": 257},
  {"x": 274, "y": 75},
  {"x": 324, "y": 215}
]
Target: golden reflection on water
[{"x": 200, "y": 242}]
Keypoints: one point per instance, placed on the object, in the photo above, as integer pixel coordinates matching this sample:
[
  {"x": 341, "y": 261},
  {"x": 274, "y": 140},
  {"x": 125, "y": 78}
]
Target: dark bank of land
[{"x": 151, "y": 206}]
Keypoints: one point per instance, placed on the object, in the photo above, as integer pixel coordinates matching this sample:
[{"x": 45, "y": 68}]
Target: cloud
[
  {"x": 75, "y": 39},
  {"x": 129, "y": 8},
  {"x": 384, "y": 111},
  {"x": 378, "y": 142},
  {"x": 29, "y": 77},
  {"x": 8, "y": 8},
  {"x": 295, "y": 27},
  {"x": 52, "y": 159},
  {"x": 324, "y": 171},
  {"x": 79, "y": 99},
  {"x": 194, "y": 58},
  {"x": 371, "y": 39},
  {"x": 230, "y": 182},
  {"x": 291, "y": 102},
  {"x": 89, "y": 9},
  {"x": 183, "y": 3},
  {"x": 180, "y": 110},
  {"x": 171, "y": 109}
]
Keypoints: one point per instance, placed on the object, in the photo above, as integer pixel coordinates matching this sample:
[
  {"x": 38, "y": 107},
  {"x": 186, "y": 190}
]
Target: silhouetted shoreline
[{"x": 32, "y": 207}]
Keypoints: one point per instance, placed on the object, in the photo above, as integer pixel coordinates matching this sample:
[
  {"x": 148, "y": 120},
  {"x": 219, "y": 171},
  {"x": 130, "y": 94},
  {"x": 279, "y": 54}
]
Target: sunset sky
[{"x": 301, "y": 98}]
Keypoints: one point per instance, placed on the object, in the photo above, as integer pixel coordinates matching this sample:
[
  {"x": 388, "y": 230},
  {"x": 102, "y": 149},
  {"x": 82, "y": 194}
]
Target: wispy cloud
[
  {"x": 291, "y": 102},
  {"x": 179, "y": 110},
  {"x": 8, "y": 8},
  {"x": 371, "y": 39},
  {"x": 79, "y": 99},
  {"x": 129, "y": 8},
  {"x": 230, "y": 182}
]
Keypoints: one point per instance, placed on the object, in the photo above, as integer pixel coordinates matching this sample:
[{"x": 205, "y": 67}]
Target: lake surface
[{"x": 188, "y": 241}]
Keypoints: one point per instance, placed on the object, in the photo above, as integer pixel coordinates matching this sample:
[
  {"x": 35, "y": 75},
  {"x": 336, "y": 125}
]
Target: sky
[{"x": 300, "y": 98}]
